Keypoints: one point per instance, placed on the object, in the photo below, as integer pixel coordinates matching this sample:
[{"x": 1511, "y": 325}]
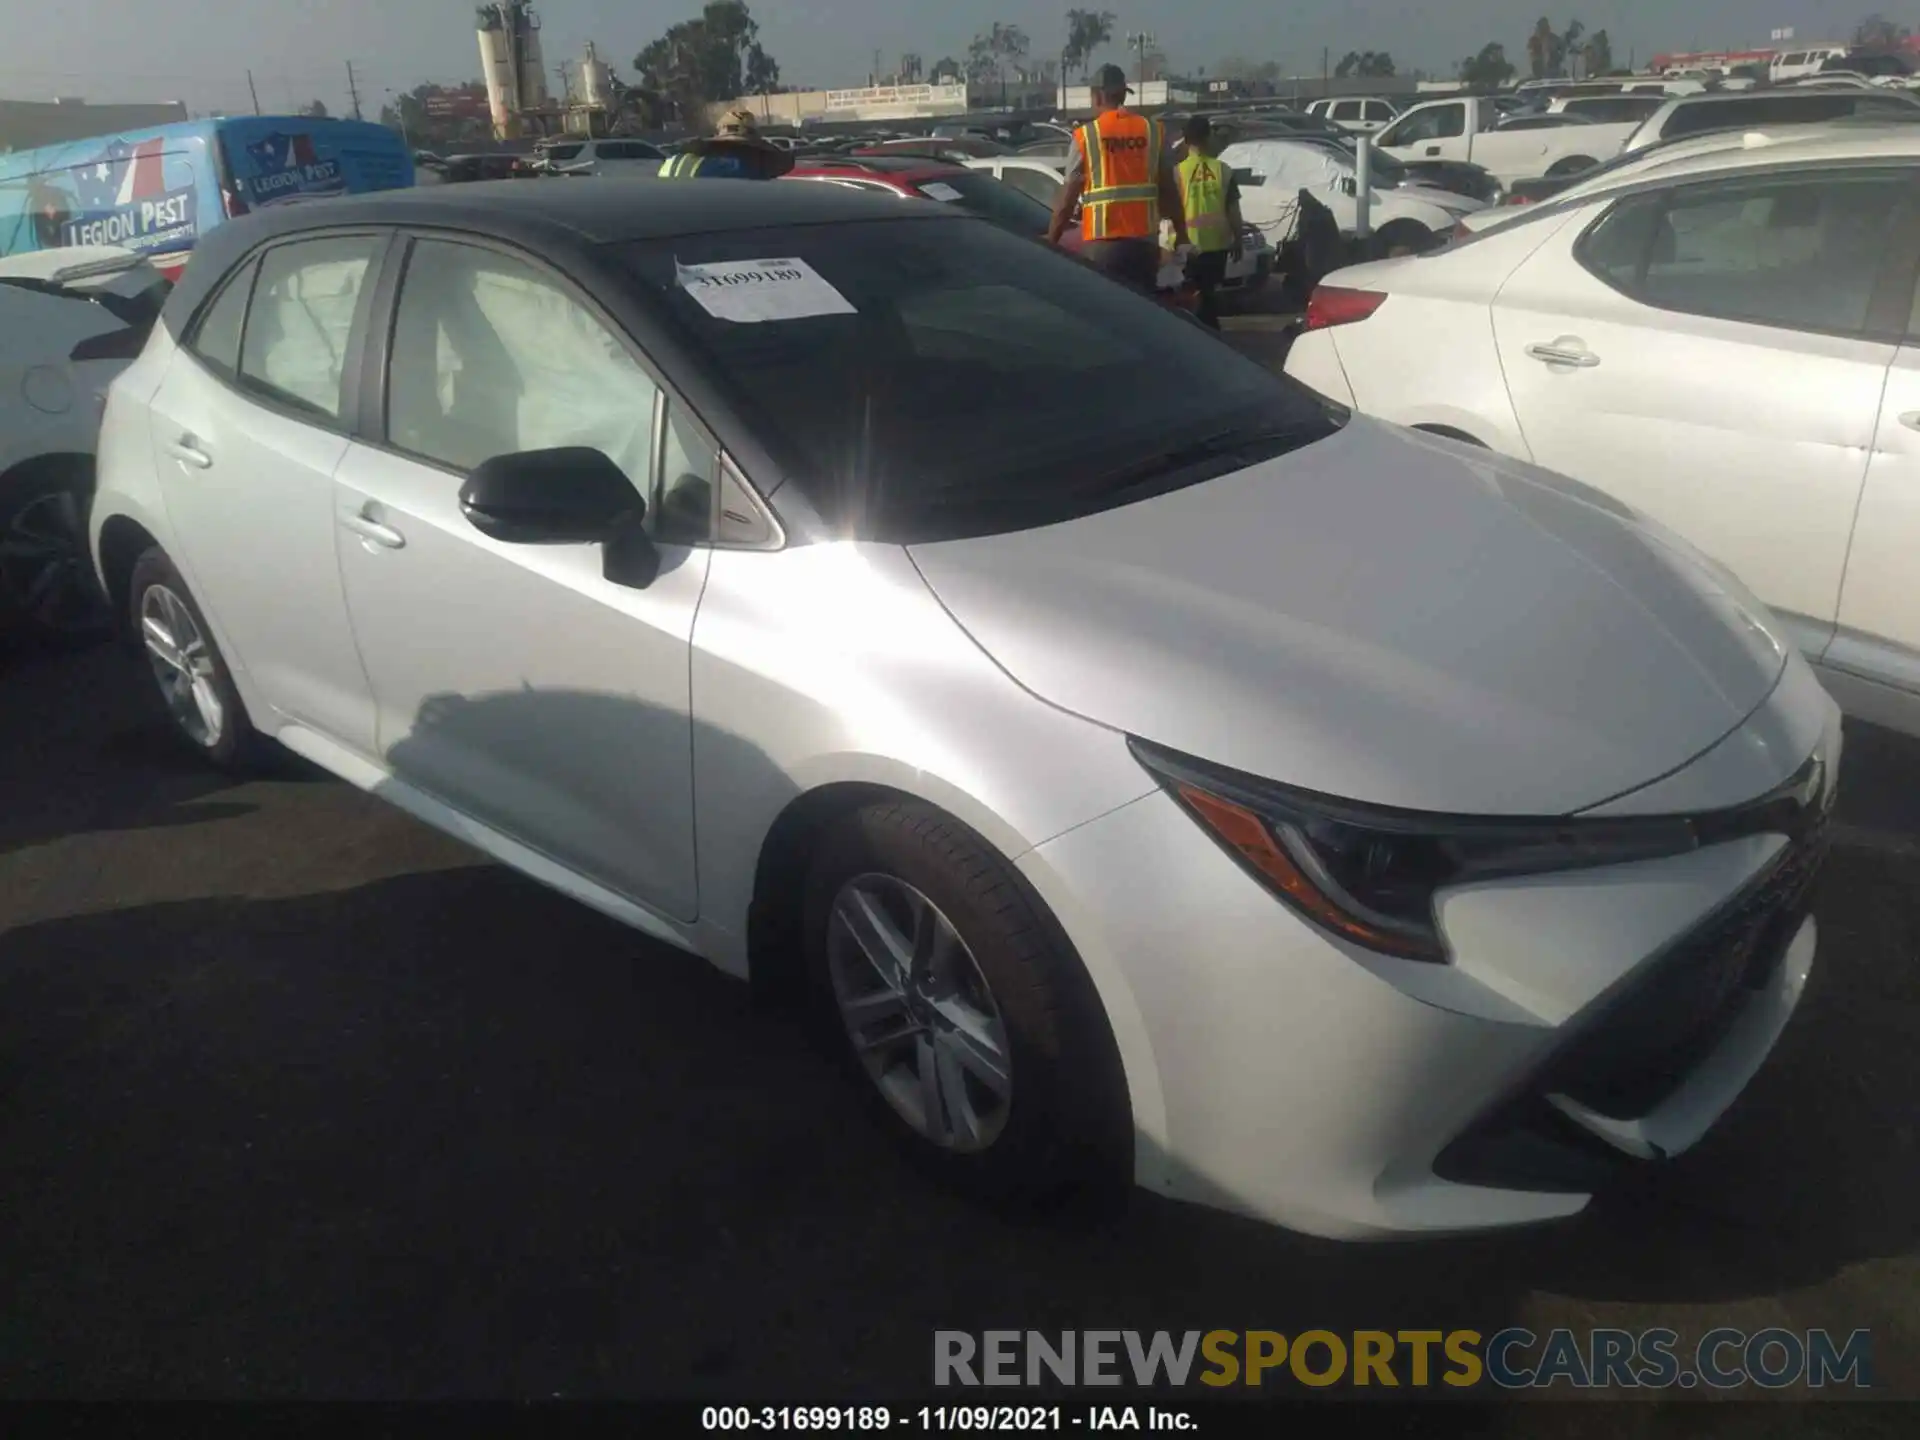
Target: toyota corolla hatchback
[{"x": 1193, "y": 784}]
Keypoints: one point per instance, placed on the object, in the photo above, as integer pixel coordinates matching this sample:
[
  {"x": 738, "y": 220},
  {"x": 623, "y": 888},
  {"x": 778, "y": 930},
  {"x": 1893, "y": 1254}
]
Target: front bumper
[{"x": 1590, "y": 1020}]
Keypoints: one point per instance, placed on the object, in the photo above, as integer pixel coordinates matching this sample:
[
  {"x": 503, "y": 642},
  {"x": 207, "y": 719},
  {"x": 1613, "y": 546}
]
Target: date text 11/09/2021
[{"x": 944, "y": 1419}]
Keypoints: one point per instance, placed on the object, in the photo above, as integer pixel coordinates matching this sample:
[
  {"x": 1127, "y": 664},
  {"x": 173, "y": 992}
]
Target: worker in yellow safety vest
[
  {"x": 1211, "y": 200},
  {"x": 1121, "y": 178},
  {"x": 735, "y": 151}
]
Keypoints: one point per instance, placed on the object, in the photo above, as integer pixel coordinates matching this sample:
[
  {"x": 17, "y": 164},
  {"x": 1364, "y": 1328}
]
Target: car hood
[
  {"x": 1384, "y": 616},
  {"x": 1451, "y": 201}
]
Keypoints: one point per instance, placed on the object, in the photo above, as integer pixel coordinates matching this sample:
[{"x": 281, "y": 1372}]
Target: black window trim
[
  {"x": 347, "y": 423},
  {"x": 372, "y": 430},
  {"x": 1890, "y": 307}
]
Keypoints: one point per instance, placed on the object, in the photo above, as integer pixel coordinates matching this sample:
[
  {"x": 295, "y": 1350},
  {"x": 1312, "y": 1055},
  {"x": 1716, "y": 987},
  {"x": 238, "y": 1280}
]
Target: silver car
[{"x": 1187, "y": 784}]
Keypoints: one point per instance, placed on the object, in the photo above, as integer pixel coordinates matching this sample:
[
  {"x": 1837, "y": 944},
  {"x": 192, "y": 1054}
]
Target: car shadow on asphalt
[{"x": 84, "y": 748}]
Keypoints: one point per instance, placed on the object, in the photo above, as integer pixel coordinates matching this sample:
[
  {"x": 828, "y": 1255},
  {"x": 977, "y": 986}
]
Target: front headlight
[{"x": 1370, "y": 874}]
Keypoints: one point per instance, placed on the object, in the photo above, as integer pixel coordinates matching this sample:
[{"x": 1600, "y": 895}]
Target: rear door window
[
  {"x": 301, "y": 320},
  {"x": 1799, "y": 252}
]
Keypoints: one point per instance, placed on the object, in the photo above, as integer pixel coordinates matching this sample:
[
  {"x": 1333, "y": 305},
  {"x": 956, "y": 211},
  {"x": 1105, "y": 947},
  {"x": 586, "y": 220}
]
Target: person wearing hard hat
[
  {"x": 735, "y": 151},
  {"x": 1121, "y": 175}
]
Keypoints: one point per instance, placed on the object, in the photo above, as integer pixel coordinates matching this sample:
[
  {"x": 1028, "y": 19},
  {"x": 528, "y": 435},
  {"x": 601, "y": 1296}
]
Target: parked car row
[{"x": 1725, "y": 341}]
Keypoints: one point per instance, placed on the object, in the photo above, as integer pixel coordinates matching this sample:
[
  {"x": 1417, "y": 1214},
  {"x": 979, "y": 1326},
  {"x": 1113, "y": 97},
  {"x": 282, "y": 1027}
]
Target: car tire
[
  {"x": 49, "y": 595},
  {"x": 1571, "y": 165},
  {"x": 191, "y": 681},
  {"x": 1401, "y": 237},
  {"x": 1007, "y": 991}
]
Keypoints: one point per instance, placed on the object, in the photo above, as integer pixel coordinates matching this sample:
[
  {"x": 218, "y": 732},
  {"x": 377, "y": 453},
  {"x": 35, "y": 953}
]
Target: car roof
[{"x": 546, "y": 217}]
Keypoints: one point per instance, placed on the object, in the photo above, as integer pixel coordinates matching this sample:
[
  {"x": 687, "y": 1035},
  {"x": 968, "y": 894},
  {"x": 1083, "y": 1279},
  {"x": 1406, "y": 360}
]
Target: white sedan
[{"x": 1723, "y": 346}]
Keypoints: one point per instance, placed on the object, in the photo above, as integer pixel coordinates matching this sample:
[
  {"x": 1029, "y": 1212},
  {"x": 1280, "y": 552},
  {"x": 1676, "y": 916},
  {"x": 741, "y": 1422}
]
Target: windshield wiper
[{"x": 1226, "y": 444}]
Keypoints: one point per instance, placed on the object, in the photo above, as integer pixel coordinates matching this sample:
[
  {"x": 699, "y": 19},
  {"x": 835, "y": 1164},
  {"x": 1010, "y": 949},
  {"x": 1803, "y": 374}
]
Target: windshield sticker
[
  {"x": 937, "y": 191},
  {"x": 749, "y": 291}
]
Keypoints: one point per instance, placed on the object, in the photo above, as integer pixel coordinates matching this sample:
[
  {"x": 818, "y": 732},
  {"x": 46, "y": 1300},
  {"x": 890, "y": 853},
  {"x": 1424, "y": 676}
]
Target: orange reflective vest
[{"x": 1120, "y": 154}]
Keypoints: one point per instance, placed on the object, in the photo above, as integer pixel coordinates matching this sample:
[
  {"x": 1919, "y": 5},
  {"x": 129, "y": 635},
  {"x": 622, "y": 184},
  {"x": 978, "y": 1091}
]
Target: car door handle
[
  {"x": 188, "y": 452},
  {"x": 1433, "y": 149},
  {"x": 367, "y": 528},
  {"x": 1563, "y": 354}
]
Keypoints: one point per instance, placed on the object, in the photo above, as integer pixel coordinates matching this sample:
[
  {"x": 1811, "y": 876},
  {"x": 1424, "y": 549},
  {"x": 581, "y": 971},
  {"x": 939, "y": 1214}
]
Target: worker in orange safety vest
[{"x": 1122, "y": 177}]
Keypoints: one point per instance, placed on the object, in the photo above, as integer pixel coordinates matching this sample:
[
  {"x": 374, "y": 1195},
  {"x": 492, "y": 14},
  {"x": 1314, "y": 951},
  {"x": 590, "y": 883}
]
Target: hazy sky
[{"x": 200, "y": 50}]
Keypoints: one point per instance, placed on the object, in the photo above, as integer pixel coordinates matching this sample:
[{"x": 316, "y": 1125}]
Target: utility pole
[
  {"x": 1139, "y": 41},
  {"x": 565, "y": 68},
  {"x": 353, "y": 89},
  {"x": 253, "y": 91},
  {"x": 1326, "y": 71}
]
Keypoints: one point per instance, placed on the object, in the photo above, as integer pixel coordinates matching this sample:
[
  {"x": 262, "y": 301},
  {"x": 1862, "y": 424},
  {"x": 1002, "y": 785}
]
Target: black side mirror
[{"x": 570, "y": 496}]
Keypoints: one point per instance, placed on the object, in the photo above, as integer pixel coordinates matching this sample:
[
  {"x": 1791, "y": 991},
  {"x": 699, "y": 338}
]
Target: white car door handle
[
  {"x": 1563, "y": 354},
  {"x": 368, "y": 528},
  {"x": 188, "y": 452}
]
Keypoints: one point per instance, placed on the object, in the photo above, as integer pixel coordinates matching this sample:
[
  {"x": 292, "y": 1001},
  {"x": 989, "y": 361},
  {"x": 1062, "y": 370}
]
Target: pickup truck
[{"x": 1466, "y": 128}]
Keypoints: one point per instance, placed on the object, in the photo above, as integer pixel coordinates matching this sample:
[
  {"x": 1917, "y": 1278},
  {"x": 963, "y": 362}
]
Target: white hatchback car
[
  {"x": 1192, "y": 783},
  {"x": 1727, "y": 344}
]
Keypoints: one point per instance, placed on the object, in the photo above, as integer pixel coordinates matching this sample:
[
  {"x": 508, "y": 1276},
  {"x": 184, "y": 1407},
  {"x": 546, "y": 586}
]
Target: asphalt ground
[{"x": 300, "y": 1099}]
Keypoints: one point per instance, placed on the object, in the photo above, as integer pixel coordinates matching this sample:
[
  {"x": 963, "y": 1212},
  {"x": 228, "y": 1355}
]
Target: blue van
[{"x": 158, "y": 190}]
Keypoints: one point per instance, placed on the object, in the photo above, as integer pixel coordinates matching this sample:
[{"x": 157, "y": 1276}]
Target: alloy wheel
[
  {"x": 182, "y": 665},
  {"x": 919, "y": 1012},
  {"x": 44, "y": 571}
]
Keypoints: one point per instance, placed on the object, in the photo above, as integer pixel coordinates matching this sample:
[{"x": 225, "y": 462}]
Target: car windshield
[
  {"x": 991, "y": 199},
  {"x": 924, "y": 380}
]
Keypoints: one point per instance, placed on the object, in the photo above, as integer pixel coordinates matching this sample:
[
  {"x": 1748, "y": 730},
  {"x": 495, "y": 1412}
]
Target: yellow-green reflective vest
[{"x": 1203, "y": 192}]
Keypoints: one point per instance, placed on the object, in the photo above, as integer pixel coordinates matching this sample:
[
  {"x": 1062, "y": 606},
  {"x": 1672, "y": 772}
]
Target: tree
[
  {"x": 1368, "y": 63},
  {"x": 715, "y": 57},
  {"x": 1876, "y": 32},
  {"x": 1087, "y": 31},
  {"x": 1545, "y": 50},
  {"x": 945, "y": 71},
  {"x": 1571, "y": 49},
  {"x": 313, "y": 108},
  {"x": 1598, "y": 55},
  {"x": 1488, "y": 70}
]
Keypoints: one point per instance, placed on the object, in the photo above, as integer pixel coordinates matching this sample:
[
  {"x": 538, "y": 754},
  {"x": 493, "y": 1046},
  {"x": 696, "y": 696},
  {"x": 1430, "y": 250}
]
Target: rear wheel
[
  {"x": 48, "y": 593},
  {"x": 191, "y": 679},
  {"x": 963, "y": 1013}
]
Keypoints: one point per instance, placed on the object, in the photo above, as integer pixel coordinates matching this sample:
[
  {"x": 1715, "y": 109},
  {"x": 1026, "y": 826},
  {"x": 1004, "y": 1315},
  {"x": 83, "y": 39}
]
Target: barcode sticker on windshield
[
  {"x": 749, "y": 291},
  {"x": 937, "y": 191}
]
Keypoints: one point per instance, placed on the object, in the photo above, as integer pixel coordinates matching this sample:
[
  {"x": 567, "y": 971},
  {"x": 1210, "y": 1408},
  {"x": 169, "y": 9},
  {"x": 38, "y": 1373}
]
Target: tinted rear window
[{"x": 980, "y": 384}]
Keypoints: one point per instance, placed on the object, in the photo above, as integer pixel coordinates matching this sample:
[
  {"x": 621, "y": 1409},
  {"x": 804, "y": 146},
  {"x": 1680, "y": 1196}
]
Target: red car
[{"x": 916, "y": 177}]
